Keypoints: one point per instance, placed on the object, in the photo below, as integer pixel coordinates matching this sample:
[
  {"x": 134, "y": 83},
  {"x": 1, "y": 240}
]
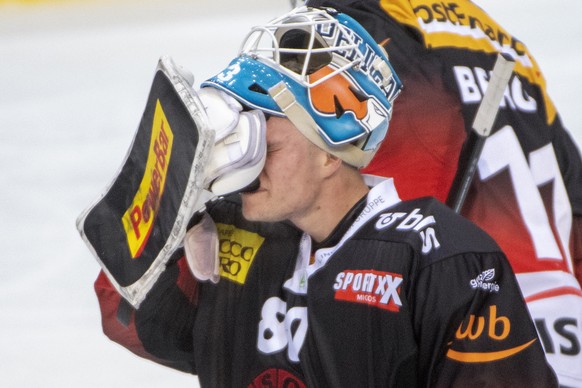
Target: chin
[
  {"x": 248, "y": 208},
  {"x": 257, "y": 212},
  {"x": 257, "y": 206},
  {"x": 249, "y": 215}
]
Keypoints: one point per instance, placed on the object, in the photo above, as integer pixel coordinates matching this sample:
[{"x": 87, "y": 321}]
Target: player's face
[{"x": 289, "y": 180}]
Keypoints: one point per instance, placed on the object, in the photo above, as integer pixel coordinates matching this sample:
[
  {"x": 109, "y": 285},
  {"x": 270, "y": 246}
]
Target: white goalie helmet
[{"x": 325, "y": 73}]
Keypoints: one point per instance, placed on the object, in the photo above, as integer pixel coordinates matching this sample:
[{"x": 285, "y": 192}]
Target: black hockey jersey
[
  {"x": 410, "y": 295},
  {"x": 527, "y": 190}
]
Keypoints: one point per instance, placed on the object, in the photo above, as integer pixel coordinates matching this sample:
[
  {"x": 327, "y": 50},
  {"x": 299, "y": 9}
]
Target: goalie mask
[{"x": 325, "y": 73}]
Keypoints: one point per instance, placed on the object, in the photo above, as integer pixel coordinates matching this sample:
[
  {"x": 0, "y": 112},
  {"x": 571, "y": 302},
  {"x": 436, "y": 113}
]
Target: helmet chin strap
[{"x": 349, "y": 153}]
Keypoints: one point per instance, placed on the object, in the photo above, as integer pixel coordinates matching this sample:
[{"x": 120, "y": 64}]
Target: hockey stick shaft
[{"x": 482, "y": 125}]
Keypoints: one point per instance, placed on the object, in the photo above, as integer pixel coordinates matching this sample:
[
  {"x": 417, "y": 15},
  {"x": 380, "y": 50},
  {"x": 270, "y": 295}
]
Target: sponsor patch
[
  {"x": 277, "y": 378},
  {"x": 491, "y": 331},
  {"x": 466, "y": 26},
  {"x": 485, "y": 281},
  {"x": 237, "y": 249},
  {"x": 138, "y": 220},
  {"x": 374, "y": 288},
  {"x": 413, "y": 221}
]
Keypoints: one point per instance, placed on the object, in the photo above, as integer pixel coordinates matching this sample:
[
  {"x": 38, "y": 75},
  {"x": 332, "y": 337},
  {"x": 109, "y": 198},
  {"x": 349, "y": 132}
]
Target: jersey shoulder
[{"x": 430, "y": 228}]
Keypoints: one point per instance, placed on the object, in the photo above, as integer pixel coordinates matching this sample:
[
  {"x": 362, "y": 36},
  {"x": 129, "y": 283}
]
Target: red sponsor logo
[
  {"x": 279, "y": 378},
  {"x": 374, "y": 288}
]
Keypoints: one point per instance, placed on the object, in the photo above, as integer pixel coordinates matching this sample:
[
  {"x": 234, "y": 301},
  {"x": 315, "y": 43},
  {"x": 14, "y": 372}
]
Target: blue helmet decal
[
  {"x": 329, "y": 63},
  {"x": 248, "y": 80}
]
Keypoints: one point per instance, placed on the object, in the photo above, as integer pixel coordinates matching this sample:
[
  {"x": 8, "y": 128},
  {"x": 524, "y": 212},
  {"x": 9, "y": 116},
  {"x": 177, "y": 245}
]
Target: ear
[{"x": 331, "y": 164}]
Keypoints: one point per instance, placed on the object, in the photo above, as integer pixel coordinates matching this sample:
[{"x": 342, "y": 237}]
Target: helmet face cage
[
  {"x": 294, "y": 45},
  {"x": 330, "y": 64}
]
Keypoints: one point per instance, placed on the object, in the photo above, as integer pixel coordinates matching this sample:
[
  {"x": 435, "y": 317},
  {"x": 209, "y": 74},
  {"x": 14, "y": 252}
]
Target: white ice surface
[{"x": 73, "y": 83}]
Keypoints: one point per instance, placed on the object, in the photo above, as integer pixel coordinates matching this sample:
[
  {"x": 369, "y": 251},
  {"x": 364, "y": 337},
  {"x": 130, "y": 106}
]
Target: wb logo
[
  {"x": 494, "y": 327},
  {"x": 498, "y": 328}
]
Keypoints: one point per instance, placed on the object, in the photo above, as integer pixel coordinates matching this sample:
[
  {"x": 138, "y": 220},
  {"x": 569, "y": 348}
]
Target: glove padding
[
  {"x": 236, "y": 160},
  {"x": 201, "y": 250},
  {"x": 239, "y": 151}
]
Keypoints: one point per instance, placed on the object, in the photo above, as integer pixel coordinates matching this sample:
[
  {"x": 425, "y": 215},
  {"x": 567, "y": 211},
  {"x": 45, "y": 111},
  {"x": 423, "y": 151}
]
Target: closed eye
[{"x": 272, "y": 148}]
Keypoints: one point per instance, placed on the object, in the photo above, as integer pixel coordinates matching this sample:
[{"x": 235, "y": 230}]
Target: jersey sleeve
[
  {"x": 577, "y": 247},
  {"x": 161, "y": 329},
  {"x": 487, "y": 335},
  {"x": 570, "y": 163}
]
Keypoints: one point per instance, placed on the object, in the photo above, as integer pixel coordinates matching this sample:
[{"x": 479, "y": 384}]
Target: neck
[{"x": 336, "y": 199}]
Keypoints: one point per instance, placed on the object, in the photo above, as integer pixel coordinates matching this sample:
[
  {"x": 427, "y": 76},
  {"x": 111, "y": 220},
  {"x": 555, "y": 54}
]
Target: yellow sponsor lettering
[
  {"x": 473, "y": 329},
  {"x": 237, "y": 249},
  {"x": 463, "y": 25},
  {"x": 471, "y": 332},
  {"x": 139, "y": 218},
  {"x": 494, "y": 321}
]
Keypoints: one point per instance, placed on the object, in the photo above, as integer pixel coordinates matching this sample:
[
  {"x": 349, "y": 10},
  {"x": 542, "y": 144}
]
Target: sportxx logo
[
  {"x": 374, "y": 288},
  {"x": 138, "y": 220},
  {"x": 413, "y": 221},
  {"x": 237, "y": 249},
  {"x": 496, "y": 328}
]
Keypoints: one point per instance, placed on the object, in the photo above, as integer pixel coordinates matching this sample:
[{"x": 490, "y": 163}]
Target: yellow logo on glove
[{"x": 138, "y": 220}]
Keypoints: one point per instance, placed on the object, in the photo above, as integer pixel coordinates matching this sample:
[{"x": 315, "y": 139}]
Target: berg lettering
[
  {"x": 412, "y": 222},
  {"x": 374, "y": 288},
  {"x": 138, "y": 220},
  {"x": 473, "y": 83}
]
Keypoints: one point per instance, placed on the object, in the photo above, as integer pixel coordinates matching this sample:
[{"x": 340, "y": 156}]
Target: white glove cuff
[{"x": 201, "y": 249}]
